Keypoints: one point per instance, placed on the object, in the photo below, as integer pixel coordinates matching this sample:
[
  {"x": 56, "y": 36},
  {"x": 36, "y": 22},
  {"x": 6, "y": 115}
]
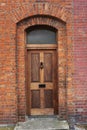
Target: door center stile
[{"x": 42, "y": 79}]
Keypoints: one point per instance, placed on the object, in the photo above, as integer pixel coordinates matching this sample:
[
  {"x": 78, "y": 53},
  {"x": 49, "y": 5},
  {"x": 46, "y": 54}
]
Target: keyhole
[{"x": 41, "y": 65}]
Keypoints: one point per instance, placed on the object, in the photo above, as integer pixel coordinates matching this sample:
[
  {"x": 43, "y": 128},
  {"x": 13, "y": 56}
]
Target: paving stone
[{"x": 43, "y": 124}]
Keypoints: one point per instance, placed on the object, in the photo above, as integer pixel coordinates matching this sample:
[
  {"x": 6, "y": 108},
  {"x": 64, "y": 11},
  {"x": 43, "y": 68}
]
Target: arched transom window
[{"x": 41, "y": 34}]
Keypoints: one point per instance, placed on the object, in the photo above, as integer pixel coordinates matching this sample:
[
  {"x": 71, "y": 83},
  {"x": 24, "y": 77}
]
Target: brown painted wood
[
  {"x": 43, "y": 111},
  {"x": 48, "y": 98},
  {"x": 42, "y": 101},
  {"x": 41, "y": 46},
  {"x": 55, "y": 82},
  {"x": 35, "y": 96},
  {"x": 35, "y": 63},
  {"x": 48, "y": 63}
]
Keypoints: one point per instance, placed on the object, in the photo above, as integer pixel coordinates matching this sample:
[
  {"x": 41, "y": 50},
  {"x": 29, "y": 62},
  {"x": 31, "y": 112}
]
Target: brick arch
[
  {"x": 40, "y": 20},
  {"x": 31, "y": 9},
  {"x": 21, "y": 45}
]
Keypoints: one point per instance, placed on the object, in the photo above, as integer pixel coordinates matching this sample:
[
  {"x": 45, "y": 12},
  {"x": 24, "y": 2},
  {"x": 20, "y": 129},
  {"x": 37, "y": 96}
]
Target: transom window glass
[{"x": 41, "y": 35}]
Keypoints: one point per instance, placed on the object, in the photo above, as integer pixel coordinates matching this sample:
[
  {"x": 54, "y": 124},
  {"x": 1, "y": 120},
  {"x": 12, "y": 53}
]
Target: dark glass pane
[{"x": 41, "y": 36}]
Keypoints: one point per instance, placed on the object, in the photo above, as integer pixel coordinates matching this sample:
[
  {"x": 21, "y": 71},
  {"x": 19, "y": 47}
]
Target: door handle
[{"x": 41, "y": 65}]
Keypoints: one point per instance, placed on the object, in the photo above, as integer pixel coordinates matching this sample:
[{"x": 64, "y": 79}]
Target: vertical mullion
[
  {"x": 41, "y": 70},
  {"x": 42, "y": 79}
]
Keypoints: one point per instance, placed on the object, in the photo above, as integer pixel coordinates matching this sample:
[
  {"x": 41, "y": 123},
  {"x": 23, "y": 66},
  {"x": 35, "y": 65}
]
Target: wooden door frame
[{"x": 39, "y": 47}]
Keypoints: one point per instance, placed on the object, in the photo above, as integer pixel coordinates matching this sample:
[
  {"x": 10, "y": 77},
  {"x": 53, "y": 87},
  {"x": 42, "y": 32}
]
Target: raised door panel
[
  {"x": 41, "y": 99},
  {"x": 35, "y": 96},
  {"x": 48, "y": 67},
  {"x": 48, "y": 94},
  {"x": 35, "y": 65}
]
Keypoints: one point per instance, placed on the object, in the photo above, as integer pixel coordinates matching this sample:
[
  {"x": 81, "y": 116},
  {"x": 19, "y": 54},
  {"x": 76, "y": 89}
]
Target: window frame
[{"x": 41, "y": 27}]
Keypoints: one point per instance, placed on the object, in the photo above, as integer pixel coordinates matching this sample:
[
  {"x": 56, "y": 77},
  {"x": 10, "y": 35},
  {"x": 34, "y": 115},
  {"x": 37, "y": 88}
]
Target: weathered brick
[{"x": 70, "y": 18}]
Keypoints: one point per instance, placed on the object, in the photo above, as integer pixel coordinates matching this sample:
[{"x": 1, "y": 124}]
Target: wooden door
[{"x": 42, "y": 82}]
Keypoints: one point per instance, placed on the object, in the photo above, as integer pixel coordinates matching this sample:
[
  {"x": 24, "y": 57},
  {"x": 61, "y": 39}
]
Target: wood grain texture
[
  {"x": 48, "y": 98},
  {"x": 48, "y": 67},
  {"x": 35, "y": 99},
  {"x": 42, "y": 47},
  {"x": 46, "y": 111},
  {"x": 35, "y": 65},
  {"x": 42, "y": 100}
]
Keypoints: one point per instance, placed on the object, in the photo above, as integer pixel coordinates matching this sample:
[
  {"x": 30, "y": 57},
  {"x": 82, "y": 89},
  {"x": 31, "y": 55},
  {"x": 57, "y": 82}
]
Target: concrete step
[{"x": 46, "y": 123}]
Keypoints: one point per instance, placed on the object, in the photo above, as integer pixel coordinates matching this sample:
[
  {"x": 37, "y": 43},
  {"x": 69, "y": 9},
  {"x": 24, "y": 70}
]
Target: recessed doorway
[{"x": 42, "y": 76}]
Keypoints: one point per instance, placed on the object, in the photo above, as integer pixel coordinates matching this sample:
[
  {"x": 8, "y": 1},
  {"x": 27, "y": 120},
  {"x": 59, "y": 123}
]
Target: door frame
[{"x": 40, "y": 47}]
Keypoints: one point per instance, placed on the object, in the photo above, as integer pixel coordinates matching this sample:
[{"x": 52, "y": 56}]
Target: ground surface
[
  {"x": 6, "y": 128},
  {"x": 43, "y": 124}
]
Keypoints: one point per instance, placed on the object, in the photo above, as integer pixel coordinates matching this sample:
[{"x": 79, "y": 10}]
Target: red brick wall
[
  {"x": 8, "y": 98},
  {"x": 80, "y": 59},
  {"x": 12, "y": 63}
]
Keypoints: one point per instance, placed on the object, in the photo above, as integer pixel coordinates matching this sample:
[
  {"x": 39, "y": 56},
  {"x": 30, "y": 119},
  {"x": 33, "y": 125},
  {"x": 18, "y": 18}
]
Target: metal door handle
[{"x": 41, "y": 65}]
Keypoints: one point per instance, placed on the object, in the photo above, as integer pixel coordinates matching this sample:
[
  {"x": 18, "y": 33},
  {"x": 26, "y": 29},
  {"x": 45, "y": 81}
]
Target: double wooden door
[{"x": 42, "y": 82}]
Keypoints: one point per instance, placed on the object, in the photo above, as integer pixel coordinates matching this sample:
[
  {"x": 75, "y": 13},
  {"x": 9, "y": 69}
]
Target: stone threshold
[
  {"x": 43, "y": 123},
  {"x": 44, "y": 116}
]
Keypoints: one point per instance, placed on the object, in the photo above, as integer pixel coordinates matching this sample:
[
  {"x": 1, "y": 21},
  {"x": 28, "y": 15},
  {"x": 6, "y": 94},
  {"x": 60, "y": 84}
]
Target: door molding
[
  {"x": 39, "y": 46},
  {"x": 28, "y": 88}
]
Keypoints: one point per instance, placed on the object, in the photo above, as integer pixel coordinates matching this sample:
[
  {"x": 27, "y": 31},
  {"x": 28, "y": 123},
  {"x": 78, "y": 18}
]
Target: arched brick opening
[
  {"x": 14, "y": 16},
  {"x": 60, "y": 18},
  {"x": 62, "y": 60},
  {"x": 31, "y": 9}
]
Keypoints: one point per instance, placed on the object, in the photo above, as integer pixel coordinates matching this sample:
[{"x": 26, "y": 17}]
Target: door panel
[
  {"x": 35, "y": 74},
  {"x": 42, "y": 82},
  {"x": 35, "y": 96},
  {"x": 48, "y": 75},
  {"x": 48, "y": 98}
]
